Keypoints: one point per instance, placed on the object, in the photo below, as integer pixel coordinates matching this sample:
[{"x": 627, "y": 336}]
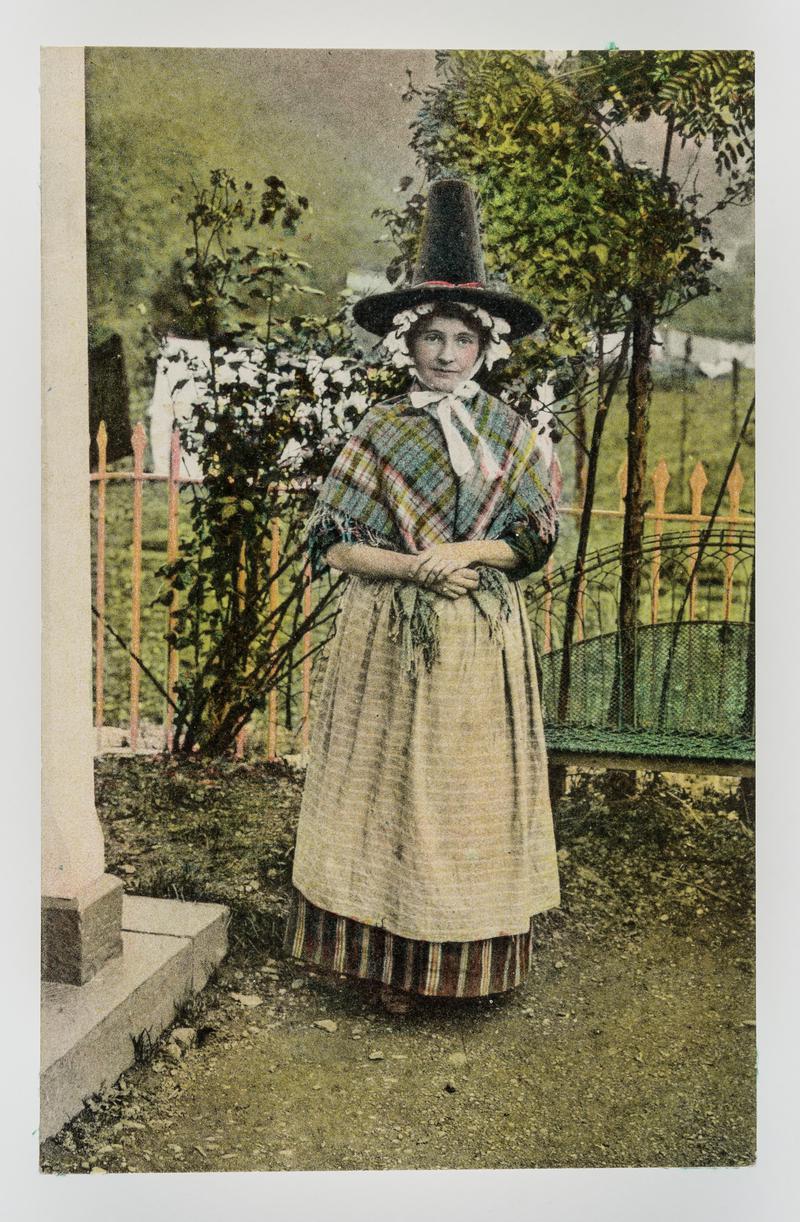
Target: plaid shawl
[{"x": 392, "y": 486}]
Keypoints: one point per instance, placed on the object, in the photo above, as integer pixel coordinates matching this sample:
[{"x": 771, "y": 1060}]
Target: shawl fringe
[
  {"x": 414, "y": 625},
  {"x": 327, "y": 526},
  {"x": 492, "y": 599},
  {"x": 414, "y": 619}
]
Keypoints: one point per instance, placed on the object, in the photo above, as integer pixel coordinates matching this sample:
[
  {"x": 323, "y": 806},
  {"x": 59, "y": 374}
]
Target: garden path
[{"x": 632, "y": 1042}]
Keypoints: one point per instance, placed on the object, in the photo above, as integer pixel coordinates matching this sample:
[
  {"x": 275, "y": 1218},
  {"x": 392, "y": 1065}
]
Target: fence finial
[
  {"x": 138, "y": 439},
  {"x": 698, "y": 482},
  {"x": 735, "y": 485},
  {"x": 661, "y": 479}
]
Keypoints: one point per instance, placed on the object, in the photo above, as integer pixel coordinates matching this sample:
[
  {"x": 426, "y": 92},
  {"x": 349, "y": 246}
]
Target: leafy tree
[
  {"x": 699, "y": 95},
  {"x": 602, "y": 244}
]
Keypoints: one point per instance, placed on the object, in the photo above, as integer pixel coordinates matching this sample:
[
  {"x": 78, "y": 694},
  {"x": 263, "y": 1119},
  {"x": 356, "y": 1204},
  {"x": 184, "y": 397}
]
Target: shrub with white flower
[
  {"x": 308, "y": 402},
  {"x": 272, "y": 401}
]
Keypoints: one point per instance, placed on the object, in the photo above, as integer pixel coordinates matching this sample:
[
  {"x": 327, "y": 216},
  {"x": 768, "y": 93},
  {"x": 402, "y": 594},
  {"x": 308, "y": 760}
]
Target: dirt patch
[{"x": 631, "y": 1044}]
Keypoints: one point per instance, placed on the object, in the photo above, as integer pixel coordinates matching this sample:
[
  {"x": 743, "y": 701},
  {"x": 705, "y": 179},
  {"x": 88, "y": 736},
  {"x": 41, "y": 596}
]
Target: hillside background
[{"x": 332, "y": 124}]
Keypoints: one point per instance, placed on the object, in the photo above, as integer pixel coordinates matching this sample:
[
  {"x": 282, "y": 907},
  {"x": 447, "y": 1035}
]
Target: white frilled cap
[{"x": 395, "y": 341}]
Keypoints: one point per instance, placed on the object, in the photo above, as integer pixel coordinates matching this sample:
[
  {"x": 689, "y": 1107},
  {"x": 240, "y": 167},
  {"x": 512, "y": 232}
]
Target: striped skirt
[{"x": 433, "y": 969}]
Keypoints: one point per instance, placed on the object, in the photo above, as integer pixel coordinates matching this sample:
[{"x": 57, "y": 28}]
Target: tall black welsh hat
[{"x": 449, "y": 267}]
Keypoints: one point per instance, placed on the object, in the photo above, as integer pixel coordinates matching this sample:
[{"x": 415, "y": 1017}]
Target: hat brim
[{"x": 376, "y": 312}]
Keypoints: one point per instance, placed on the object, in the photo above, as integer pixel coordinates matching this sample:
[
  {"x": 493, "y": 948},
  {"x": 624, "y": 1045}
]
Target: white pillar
[{"x": 73, "y": 857}]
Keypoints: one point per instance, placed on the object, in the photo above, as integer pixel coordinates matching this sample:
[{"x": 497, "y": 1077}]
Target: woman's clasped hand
[{"x": 444, "y": 567}]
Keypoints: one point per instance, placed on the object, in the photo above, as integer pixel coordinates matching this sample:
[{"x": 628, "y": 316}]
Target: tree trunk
[
  {"x": 580, "y": 443},
  {"x": 605, "y": 395},
  {"x": 687, "y": 356},
  {"x": 571, "y": 607},
  {"x": 604, "y": 398},
  {"x": 558, "y": 773},
  {"x": 640, "y": 387}
]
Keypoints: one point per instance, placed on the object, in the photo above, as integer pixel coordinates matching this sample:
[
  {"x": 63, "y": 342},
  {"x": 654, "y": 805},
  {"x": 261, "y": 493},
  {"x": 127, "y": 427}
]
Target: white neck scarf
[{"x": 450, "y": 403}]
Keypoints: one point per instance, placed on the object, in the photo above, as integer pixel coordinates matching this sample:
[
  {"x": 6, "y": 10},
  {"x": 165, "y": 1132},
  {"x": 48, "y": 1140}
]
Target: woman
[{"x": 425, "y": 842}]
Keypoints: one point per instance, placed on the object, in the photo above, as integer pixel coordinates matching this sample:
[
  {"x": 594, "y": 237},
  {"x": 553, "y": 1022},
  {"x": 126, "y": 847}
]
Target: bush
[{"x": 277, "y": 398}]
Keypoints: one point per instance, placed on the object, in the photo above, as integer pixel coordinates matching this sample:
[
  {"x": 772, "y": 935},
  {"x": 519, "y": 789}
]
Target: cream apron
[{"x": 426, "y": 807}]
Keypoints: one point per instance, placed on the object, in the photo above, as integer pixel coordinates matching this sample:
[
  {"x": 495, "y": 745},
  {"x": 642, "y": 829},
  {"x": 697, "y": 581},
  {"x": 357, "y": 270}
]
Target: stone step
[{"x": 88, "y": 1031}]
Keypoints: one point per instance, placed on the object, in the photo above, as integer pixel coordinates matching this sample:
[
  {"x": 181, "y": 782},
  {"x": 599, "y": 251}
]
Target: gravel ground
[{"x": 632, "y": 1043}]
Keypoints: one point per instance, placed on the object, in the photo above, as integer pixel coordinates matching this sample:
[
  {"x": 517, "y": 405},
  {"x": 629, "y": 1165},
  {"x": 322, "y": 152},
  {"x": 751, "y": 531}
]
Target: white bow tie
[{"x": 450, "y": 403}]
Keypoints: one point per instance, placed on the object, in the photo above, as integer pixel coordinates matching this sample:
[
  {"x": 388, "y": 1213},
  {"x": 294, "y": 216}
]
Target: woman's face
[{"x": 444, "y": 351}]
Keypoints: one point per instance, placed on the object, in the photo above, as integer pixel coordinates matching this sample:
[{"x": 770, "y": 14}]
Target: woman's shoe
[{"x": 396, "y": 1002}]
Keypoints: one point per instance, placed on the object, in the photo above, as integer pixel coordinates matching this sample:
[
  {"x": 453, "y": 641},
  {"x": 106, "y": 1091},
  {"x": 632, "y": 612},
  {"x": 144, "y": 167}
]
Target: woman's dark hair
[{"x": 447, "y": 309}]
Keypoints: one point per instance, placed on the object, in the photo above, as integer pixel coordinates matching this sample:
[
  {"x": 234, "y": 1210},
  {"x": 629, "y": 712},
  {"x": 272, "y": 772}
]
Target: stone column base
[
  {"x": 82, "y": 933},
  {"x": 89, "y": 1035}
]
